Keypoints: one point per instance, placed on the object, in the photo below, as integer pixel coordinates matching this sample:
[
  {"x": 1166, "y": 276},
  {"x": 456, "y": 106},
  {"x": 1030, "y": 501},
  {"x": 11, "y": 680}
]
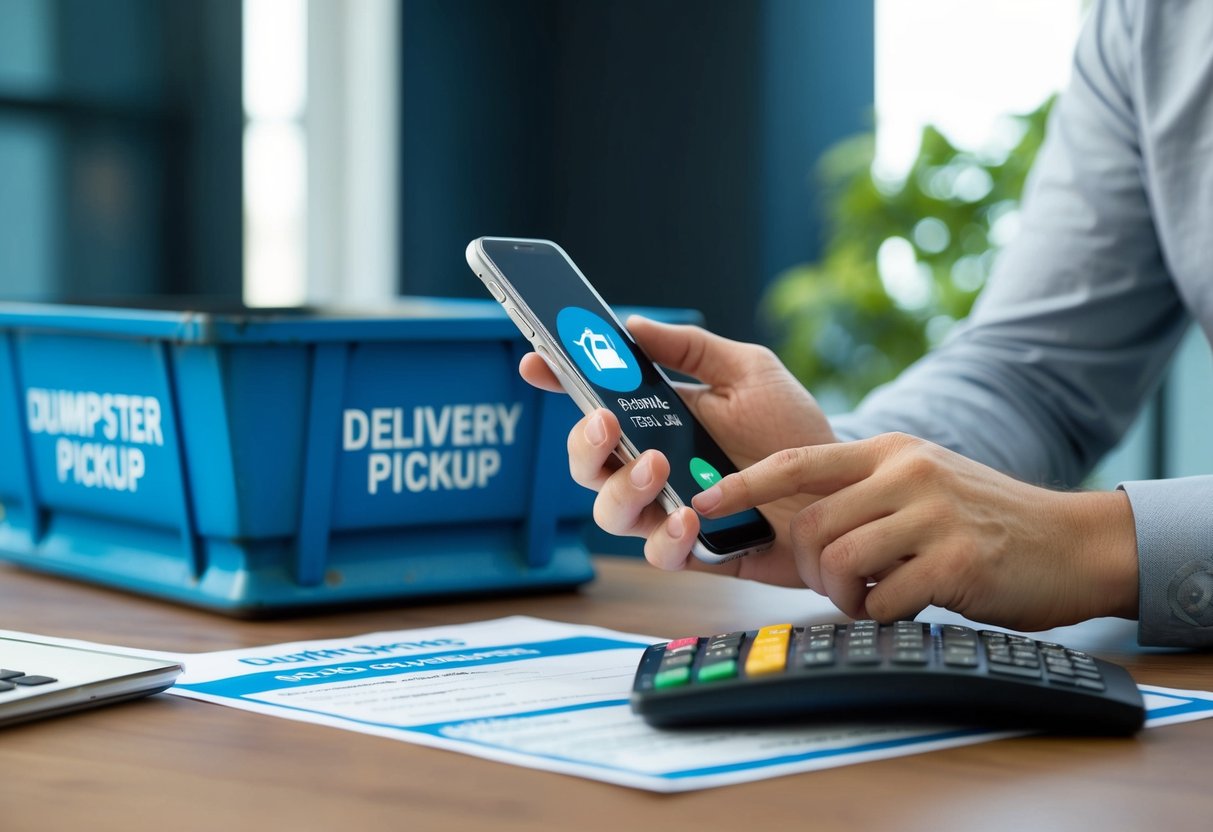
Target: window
[
  {"x": 113, "y": 150},
  {"x": 321, "y": 148}
]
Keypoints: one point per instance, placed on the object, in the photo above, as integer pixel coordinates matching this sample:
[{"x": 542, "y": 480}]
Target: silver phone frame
[{"x": 569, "y": 376}]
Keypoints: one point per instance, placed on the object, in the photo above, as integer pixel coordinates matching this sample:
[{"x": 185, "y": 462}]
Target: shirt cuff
[{"x": 1174, "y": 522}]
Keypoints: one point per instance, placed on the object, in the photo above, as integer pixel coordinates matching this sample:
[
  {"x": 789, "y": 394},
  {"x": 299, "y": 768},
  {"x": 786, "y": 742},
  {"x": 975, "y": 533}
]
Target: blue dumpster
[{"x": 259, "y": 462}]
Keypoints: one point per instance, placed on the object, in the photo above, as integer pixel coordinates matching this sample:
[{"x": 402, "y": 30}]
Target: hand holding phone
[{"x": 600, "y": 365}]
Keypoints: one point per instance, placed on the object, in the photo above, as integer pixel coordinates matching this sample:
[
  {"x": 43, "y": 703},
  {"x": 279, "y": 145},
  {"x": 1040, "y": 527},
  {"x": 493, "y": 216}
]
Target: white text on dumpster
[
  {"x": 452, "y": 447},
  {"x": 99, "y": 434}
]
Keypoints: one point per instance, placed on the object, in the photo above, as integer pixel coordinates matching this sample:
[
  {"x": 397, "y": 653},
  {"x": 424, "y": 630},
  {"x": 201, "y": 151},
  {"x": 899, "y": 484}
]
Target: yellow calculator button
[{"x": 769, "y": 650}]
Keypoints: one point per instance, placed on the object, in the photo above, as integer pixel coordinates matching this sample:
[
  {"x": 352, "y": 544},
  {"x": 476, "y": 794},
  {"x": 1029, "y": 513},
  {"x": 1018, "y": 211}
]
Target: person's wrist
[{"x": 1106, "y": 550}]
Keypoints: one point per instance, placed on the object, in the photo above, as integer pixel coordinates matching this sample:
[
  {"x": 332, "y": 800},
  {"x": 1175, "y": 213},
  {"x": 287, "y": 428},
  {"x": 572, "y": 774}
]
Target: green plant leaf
[{"x": 837, "y": 324}]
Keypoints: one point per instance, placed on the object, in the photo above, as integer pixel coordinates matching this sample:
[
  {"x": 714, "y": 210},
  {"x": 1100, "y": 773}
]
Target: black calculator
[{"x": 907, "y": 670}]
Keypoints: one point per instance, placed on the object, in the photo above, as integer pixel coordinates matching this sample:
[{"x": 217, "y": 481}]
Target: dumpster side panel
[
  {"x": 433, "y": 432},
  {"x": 101, "y": 437}
]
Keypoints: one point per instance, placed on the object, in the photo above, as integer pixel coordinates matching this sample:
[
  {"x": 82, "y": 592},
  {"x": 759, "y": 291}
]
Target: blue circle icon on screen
[{"x": 598, "y": 349}]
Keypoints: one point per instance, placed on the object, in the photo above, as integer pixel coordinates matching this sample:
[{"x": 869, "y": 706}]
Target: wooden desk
[{"x": 171, "y": 763}]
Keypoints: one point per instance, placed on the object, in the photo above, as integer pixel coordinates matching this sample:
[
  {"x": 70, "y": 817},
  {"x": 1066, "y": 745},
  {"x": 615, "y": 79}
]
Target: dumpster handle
[
  {"x": 320, "y": 461},
  {"x": 37, "y": 517},
  {"x": 189, "y": 531}
]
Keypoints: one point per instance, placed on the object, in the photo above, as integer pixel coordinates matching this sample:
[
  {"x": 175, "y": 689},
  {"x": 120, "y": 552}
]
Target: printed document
[{"x": 550, "y": 696}]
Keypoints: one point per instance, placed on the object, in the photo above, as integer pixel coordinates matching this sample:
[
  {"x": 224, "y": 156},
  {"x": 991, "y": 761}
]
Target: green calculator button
[
  {"x": 726, "y": 669},
  {"x": 672, "y": 678}
]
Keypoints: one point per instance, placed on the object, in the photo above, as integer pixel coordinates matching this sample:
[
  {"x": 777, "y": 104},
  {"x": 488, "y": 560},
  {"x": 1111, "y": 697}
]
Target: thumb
[{"x": 692, "y": 350}]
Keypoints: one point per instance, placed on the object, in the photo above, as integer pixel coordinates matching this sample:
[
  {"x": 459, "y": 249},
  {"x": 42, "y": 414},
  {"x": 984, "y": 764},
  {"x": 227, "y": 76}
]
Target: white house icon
[{"x": 601, "y": 351}]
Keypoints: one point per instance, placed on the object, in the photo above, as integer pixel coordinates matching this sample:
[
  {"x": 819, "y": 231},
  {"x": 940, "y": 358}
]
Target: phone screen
[{"x": 650, "y": 412}]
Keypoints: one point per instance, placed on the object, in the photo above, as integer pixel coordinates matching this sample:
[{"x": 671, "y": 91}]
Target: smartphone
[{"x": 599, "y": 364}]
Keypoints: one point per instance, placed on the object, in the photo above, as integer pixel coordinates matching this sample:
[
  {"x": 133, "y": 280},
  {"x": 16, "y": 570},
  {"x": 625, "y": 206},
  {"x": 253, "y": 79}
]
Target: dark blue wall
[
  {"x": 121, "y": 137},
  {"x": 668, "y": 146}
]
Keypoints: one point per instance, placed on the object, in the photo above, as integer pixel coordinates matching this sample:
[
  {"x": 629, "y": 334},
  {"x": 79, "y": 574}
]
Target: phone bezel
[{"x": 724, "y": 544}]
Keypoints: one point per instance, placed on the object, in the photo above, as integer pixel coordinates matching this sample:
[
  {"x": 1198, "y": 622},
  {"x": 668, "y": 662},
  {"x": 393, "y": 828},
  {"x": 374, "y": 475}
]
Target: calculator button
[
  {"x": 818, "y": 658},
  {"x": 31, "y": 681},
  {"x": 720, "y": 653},
  {"x": 864, "y": 655},
  {"x": 1089, "y": 684},
  {"x": 959, "y": 641},
  {"x": 909, "y": 656},
  {"x": 769, "y": 650},
  {"x": 715, "y": 671},
  {"x": 672, "y": 678},
  {"x": 960, "y": 659},
  {"x": 677, "y": 660},
  {"x": 6, "y": 686},
  {"x": 680, "y": 643},
  {"x": 8, "y": 674},
  {"x": 1015, "y": 670}
]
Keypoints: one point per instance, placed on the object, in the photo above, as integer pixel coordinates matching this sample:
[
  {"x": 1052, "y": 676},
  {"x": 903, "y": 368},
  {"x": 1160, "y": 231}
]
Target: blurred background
[{"x": 831, "y": 177}]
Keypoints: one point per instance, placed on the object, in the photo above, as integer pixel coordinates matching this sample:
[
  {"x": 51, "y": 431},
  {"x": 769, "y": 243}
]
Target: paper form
[{"x": 552, "y": 696}]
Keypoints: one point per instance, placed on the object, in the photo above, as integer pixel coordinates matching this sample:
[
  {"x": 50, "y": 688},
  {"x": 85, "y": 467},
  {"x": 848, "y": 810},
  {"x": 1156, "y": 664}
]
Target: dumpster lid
[{"x": 203, "y": 322}]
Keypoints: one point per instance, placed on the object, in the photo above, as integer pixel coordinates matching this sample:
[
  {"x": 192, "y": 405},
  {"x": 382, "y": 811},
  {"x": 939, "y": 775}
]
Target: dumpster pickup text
[
  {"x": 452, "y": 447},
  {"x": 99, "y": 434}
]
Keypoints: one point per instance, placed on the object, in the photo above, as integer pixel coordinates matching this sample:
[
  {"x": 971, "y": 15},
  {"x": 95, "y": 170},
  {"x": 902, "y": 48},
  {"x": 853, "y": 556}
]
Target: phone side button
[
  {"x": 523, "y": 325},
  {"x": 496, "y": 290}
]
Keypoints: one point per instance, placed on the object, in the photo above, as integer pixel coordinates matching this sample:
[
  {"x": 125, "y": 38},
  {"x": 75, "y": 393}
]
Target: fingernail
[
  {"x": 642, "y": 472},
  {"x": 674, "y": 526},
  {"x": 595, "y": 430},
  {"x": 708, "y": 500}
]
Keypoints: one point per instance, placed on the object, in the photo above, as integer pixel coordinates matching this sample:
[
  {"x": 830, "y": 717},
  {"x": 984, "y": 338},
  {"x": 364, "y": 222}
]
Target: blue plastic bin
[{"x": 258, "y": 462}]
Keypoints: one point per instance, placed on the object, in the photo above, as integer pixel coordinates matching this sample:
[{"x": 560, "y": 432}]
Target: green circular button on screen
[{"x": 703, "y": 472}]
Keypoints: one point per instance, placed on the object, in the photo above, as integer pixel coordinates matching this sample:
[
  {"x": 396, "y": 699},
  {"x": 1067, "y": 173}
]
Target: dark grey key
[
  {"x": 6, "y": 686},
  {"x": 818, "y": 658},
  {"x": 1015, "y": 670},
  {"x": 8, "y": 674},
  {"x": 960, "y": 659},
  {"x": 31, "y": 681},
  {"x": 864, "y": 655},
  {"x": 910, "y": 656}
]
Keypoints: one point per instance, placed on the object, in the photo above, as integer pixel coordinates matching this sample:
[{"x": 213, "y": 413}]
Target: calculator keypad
[
  {"x": 903, "y": 645},
  {"x": 945, "y": 673}
]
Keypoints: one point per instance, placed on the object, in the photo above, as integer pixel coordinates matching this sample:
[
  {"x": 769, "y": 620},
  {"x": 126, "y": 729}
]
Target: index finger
[
  {"x": 814, "y": 469},
  {"x": 539, "y": 373}
]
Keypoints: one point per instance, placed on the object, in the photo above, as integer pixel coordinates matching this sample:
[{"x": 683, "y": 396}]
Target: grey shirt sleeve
[
  {"x": 1175, "y": 553},
  {"x": 1073, "y": 331}
]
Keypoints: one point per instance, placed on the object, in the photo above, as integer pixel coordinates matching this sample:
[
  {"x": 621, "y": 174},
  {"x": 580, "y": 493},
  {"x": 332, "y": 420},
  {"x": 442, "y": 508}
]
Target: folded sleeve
[{"x": 1174, "y": 522}]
